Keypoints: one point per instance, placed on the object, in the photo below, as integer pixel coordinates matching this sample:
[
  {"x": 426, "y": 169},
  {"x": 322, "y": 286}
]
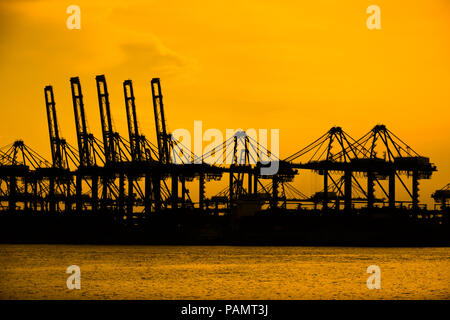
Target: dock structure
[{"x": 133, "y": 177}]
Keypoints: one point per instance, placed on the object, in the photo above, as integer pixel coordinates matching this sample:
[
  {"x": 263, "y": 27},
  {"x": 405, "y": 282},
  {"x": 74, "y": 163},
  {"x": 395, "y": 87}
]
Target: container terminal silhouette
[{"x": 121, "y": 190}]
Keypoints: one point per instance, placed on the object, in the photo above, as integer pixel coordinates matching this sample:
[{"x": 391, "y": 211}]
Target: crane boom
[
  {"x": 55, "y": 141},
  {"x": 133, "y": 129},
  {"x": 106, "y": 121},
  {"x": 84, "y": 150},
  {"x": 160, "y": 123}
]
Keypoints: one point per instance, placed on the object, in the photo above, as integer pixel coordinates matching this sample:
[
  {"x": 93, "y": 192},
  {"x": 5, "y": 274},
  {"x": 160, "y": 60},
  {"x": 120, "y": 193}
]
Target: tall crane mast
[
  {"x": 85, "y": 140},
  {"x": 55, "y": 141},
  {"x": 106, "y": 121},
  {"x": 60, "y": 156},
  {"x": 86, "y": 146},
  {"x": 133, "y": 129},
  {"x": 114, "y": 146},
  {"x": 160, "y": 122}
]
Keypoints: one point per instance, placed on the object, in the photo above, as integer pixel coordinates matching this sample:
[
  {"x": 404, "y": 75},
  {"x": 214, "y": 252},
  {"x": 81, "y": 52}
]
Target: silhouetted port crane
[
  {"x": 164, "y": 141},
  {"x": 21, "y": 183},
  {"x": 143, "y": 156},
  {"x": 59, "y": 176},
  {"x": 115, "y": 148},
  {"x": 160, "y": 122},
  {"x": 360, "y": 156},
  {"x": 103, "y": 170},
  {"x": 331, "y": 152},
  {"x": 177, "y": 161},
  {"x": 140, "y": 148},
  {"x": 89, "y": 150},
  {"x": 60, "y": 149},
  {"x": 246, "y": 156},
  {"x": 115, "y": 152},
  {"x": 442, "y": 196},
  {"x": 398, "y": 158}
]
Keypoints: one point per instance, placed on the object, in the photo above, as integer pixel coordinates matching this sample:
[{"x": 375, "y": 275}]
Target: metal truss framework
[{"x": 134, "y": 177}]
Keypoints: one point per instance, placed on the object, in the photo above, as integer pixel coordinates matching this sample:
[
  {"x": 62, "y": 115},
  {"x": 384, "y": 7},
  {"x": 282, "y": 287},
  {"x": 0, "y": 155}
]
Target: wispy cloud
[{"x": 38, "y": 32}]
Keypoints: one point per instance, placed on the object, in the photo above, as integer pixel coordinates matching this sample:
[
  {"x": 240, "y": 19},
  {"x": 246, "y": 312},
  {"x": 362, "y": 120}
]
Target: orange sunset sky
[{"x": 297, "y": 66}]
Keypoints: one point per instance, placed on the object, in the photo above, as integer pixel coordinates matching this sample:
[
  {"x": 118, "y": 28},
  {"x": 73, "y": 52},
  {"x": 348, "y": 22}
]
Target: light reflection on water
[{"x": 184, "y": 272}]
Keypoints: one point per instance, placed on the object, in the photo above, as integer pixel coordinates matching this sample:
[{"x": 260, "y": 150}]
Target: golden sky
[{"x": 298, "y": 66}]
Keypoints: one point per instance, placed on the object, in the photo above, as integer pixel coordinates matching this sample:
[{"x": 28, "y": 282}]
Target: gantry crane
[
  {"x": 20, "y": 178},
  {"x": 442, "y": 196},
  {"x": 142, "y": 153},
  {"x": 162, "y": 136},
  {"x": 160, "y": 122},
  {"x": 59, "y": 175},
  {"x": 89, "y": 150},
  {"x": 115, "y": 151},
  {"x": 55, "y": 141},
  {"x": 136, "y": 149},
  {"x": 333, "y": 153},
  {"x": 398, "y": 158},
  {"x": 140, "y": 148}
]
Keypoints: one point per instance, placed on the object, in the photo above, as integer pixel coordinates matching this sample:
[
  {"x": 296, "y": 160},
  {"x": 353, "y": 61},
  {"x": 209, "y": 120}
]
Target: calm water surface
[{"x": 183, "y": 272}]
